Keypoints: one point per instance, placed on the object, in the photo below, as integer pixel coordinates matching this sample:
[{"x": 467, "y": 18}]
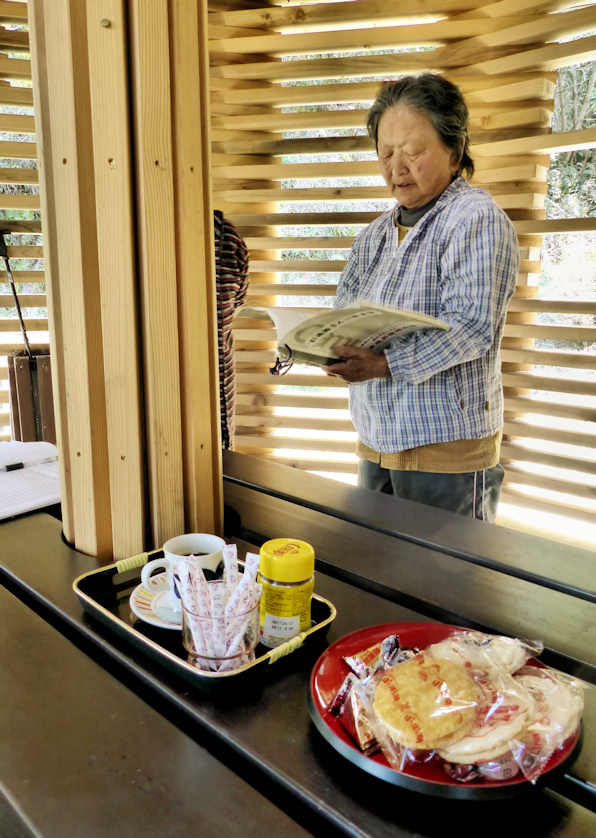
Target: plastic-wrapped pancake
[
  {"x": 558, "y": 705},
  {"x": 503, "y": 714},
  {"x": 426, "y": 702},
  {"x": 478, "y": 651}
]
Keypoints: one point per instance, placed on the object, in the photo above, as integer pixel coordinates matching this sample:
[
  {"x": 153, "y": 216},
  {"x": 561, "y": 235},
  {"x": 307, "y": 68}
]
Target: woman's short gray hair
[{"x": 439, "y": 100}]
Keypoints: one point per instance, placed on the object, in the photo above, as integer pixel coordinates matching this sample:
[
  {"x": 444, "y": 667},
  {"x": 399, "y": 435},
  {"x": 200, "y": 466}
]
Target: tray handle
[
  {"x": 286, "y": 648},
  {"x": 133, "y": 561}
]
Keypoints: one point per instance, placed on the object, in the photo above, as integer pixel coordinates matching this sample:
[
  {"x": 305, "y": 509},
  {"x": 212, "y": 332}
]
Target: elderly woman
[{"x": 429, "y": 408}]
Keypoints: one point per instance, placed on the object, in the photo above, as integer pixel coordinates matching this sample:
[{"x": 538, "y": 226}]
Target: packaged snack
[{"x": 471, "y": 702}]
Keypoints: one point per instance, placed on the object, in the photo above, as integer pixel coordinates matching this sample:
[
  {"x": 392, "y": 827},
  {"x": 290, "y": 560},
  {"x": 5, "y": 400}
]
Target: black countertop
[
  {"x": 82, "y": 755},
  {"x": 265, "y": 736}
]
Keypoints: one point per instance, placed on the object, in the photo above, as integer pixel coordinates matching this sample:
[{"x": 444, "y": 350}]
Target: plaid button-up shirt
[{"x": 459, "y": 263}]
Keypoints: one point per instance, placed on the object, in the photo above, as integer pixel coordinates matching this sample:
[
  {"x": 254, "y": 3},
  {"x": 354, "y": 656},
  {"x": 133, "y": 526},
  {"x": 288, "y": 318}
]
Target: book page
[
  {"x": 28, "y": 489},
  {"x": 26, "y": 452},
  {"x": 367, "y": 326},
  {"x": 284, "y": 319}
]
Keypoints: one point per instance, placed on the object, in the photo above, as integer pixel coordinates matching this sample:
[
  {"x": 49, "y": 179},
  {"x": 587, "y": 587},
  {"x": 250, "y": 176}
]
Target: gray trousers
[{"x": 475, "y": 493}]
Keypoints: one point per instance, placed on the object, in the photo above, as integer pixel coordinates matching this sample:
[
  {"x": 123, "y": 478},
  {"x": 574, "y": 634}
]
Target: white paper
[
  {"x": 25, "y": 452},
  {"x": 32, "y": 487}
]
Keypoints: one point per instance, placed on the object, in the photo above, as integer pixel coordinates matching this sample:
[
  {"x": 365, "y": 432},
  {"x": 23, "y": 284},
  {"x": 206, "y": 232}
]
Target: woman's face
[{"x": 416, "y": 164}]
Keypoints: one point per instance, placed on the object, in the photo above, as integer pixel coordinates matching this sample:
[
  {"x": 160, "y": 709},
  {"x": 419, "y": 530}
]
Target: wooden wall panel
[
  {"x": 108, "y": 56},
  {"x": 504, "y": 57},
  {"x": 195, "y": 258},
  {"x": 150, "y": 52},
  {"x": 65, "y": 136}
]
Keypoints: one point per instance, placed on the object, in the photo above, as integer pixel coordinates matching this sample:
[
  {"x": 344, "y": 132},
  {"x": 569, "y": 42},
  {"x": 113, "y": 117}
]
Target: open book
[{"x": 308, "y": 336}]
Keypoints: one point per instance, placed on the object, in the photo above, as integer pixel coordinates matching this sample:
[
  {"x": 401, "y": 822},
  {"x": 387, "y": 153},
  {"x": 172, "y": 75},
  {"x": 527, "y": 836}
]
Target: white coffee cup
[{"x": 203, "y": 549}]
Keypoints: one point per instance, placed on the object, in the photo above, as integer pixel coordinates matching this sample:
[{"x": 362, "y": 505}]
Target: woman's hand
[{"x": 358, "y": 364}]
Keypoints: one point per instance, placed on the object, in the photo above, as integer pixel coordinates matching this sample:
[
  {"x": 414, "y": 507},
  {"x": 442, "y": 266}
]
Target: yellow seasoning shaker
[{"x": 286, "y": 572}]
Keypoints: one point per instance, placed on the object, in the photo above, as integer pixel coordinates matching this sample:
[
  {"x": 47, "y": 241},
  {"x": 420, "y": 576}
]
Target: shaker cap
[{"x": 287, "y": 560}]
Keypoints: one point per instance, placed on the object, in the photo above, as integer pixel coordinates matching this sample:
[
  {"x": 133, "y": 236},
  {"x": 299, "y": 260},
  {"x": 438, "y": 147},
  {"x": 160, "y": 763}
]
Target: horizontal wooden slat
[
  {"x": 509, "y": 494},
  {"x": 515, "y": 199},
  {"x": 533, "y": 381},
  {"x": 551, "y": 57},
  {"x": 18, "y": 227},
  {"x": 297, "y": 265},
  {"x": 568, "y": 333},
  {"x": 17, "y": 346},
  {"x": 25, "y": 300},
  {"x": 299, "y": 242},
  {"x": 541, "y": 144},
  {"x": 20, "y": 176},
  {"x": 303, "y": 400},
  {"x": 247, "y": 356},
  {"x": 19, "y": 202},
  {"x": 295, "y": 443},
  {"x": 19, "y": 150},
  {"x": 14, "y": 68},
  {"x": 519, "y": 428},
  {"x": 31, "y": 251},
  {"x": 13, "y": 12},
  {"x": 283, "y": 171},
  {"x": 475, "y": 88},
  {"x": 365, "y": 11},
  {"x": 11, "y": 324},
  {"x": 22, "y": 276},
  {"x": 489, "y": 117},
  {"x": 577, "y": 360},
  {"x": 16, "y": 95},
  {"x": 264, "y": 422},
  {"x": 378, "y": 38},
  {"x": 519, "y": 404},
  {"x": 247, "y": 379},
  {"x": 553, "y": 306},
  {"x": 512, "y": 452},
  {"x": 552, "y": 484},
  {"x": 14, "y": 41},
  {"x": 17, "y": 124},
  {"x": 292, "y": 290}
]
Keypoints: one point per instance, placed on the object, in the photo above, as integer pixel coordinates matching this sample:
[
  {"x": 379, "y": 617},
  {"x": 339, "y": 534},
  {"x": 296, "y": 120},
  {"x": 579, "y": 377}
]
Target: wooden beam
[
  {"x": 21, "y": 176},
  {"x": 549, "y": 57},
  {"x": 10, "y": 95},
  {"x": 17, "y": 124},
  {"x": 344, "y": 39},
  {"x": 59, "y": 41},
  {"x": 110, "y": 103},
  {"x": 13, "y": 12},
  {"x": 196, "y": 269},
  {"x": 19, "y": 151},
  {"x": 541, "y": 143},
  {"x": 377, "y": 11},
  {"x": 475, "y": 87},
  {"x": 151, "y": 68}
]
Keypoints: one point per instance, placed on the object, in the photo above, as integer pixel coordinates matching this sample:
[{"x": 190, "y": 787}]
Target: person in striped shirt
[
  {"x": 231, "y": 271},
  {"x": 428, "y": 409}
]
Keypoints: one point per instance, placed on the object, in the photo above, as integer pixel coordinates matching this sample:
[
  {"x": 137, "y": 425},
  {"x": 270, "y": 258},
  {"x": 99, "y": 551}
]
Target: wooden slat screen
[
  {"x": 19, "y": 199},
  {"x": 294, "y": 170}
]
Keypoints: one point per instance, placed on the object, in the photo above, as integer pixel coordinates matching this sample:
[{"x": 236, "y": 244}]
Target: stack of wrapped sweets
[
  {"x": 475, "y": 702},
  {"x": 220, "y": 615}
]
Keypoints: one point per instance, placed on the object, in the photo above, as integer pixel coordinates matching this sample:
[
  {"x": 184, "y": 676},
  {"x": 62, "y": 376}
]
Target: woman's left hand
[{"x": 358, "y": 364}]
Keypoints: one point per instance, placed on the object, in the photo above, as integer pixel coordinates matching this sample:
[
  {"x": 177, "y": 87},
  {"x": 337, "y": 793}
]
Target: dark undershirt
[{"x": 409, "y": 217}]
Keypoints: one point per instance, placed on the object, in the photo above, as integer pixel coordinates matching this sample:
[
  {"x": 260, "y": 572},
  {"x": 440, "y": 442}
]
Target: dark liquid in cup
[{"x": 194, "y": 554}]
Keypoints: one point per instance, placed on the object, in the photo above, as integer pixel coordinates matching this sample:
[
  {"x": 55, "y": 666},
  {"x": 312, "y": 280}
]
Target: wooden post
[
  {"x": 110, "y": 106},
  {"x": 196, "y": 268},
  {"x": 151, "y": 69},
  {"x": 61, "y": 84}
]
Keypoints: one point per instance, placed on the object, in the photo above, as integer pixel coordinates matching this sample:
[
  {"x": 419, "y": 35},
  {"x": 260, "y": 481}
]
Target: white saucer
[{"x": 147, "y": 603}]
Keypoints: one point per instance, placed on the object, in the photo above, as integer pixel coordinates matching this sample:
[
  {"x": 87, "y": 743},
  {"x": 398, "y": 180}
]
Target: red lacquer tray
[{"x": 428, "y": 778}]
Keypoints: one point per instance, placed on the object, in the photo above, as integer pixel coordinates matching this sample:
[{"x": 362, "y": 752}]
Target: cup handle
[{"x": 152, "y": 566}]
